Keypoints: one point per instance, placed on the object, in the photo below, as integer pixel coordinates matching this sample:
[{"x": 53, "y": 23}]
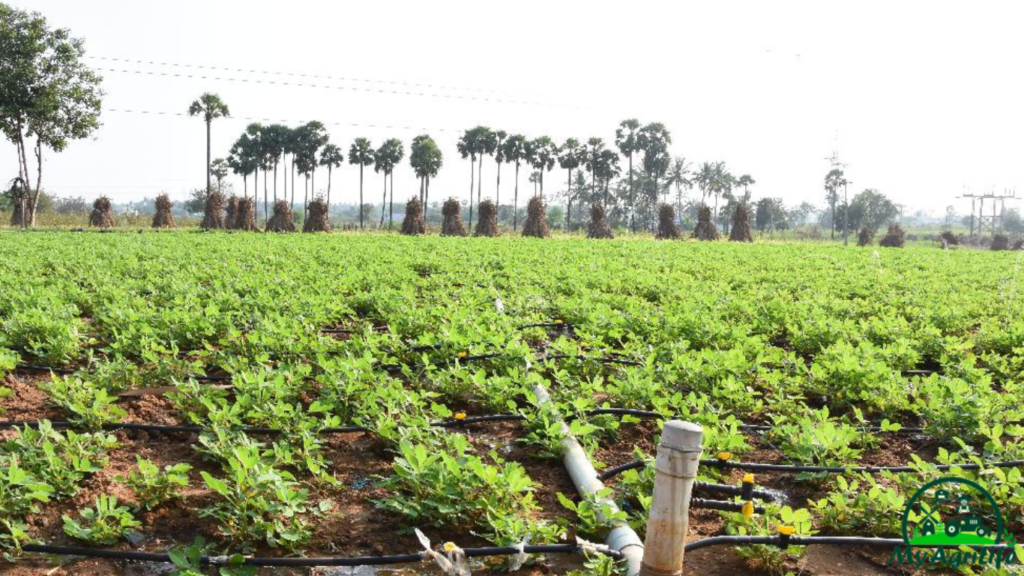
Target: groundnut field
[{"x": 188, "y": 402}]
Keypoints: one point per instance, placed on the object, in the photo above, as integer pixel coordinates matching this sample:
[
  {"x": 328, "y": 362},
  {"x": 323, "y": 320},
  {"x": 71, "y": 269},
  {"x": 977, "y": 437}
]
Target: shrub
[
  {"x": 1000, "y": 242},
  {"x": 949, "y": 239},
  {"x": 894, "y": 237},
  {"x": 599, "y": 227},
  {"x": 740, "y": 231},
  {"x": 414, "y": 224},
  {"x": 452, "y": 224},
  {"x": 667, "y": 227},
  {"x": 705, "y": 229},
  {"x": 536, "y": 224},
  {"x": 163, "y": 217}
]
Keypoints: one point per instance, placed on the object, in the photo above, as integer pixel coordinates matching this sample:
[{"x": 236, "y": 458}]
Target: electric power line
[
  {"x": 329, "y": 87},
  {"x": 282, "y": 121},
  {"x": 296, "y": 74}
]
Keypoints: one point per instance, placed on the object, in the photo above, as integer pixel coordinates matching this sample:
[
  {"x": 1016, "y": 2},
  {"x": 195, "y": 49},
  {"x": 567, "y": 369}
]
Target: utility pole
[{"x": 837, "y": 165}]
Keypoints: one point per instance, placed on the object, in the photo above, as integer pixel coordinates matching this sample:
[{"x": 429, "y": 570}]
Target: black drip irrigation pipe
[
  {"x": 793, "y": 468},
  {"x": 723, "y": 505},
  {"x": 729, "y": 490},
  {"x": 651, "y": 414},
  {"x": 55, "y": 370},
  {"x": 171, "y": 428},
  {"x": 784, "y": 541},
  {"x": 308, "y": 562}
]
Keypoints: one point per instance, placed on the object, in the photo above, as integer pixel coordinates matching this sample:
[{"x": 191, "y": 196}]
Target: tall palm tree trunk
[
  {"x": 632, "y": 197},
  {"x": 293, "y": 183},
  {"x": 361, "y": 226},
  {"x": 391, "y": 202},
  {"x": 328, "y": 188},
  {"x": 515, "y": 202},
  {"x": 568, "y": 209},
  {"x": 208, "y": 122},
  {"x": 479, "y": 181},
  {"x": 275, "y": 181},
  {"x": 472, "y": 168},
  {"x": 266, "y": 215},
  {"x": 383, "y": 202},
  {"x": 497, "y": 189}
]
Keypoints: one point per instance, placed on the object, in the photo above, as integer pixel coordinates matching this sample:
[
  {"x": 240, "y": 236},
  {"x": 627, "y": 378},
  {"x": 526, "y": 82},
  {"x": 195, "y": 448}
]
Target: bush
[
  {"x": 894, "y": 237},
  {"x": 949, "y": 239},
  {"x": 1000, "y": 242}
]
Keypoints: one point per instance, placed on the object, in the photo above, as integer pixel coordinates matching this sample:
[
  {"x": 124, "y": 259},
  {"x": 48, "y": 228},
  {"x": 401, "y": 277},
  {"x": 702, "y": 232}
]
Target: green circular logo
[{"x": 947, "y": 517}]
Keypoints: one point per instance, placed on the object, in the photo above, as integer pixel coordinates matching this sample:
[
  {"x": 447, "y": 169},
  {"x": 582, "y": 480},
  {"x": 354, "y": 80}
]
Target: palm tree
[
  {"x": 474, "y": 142},
  {"x": 704, "y": 178},
  {"x": 514, "y": 150},
  {"x": 276, "y": 139},
  {"x": 219, "y": 170},
  {"x": 499, "y": 157},
  {"x": 534, "y": 179},
  {"x": 425, "y": 158},
  {"x": 361, "y": 154},
  {"x": 569, "y": 158},
  {"x": 312, "y": 136},
  {"x": 722, "y": 182},
  {"x": 834, "y": 180},
  {"x": 258, "y": 156},
  {"x": 591, "y": 159},
  {"x": 607, "y": 169},
  {"x": 388, "y": 156},
  {"x": 242, "y": 160},
  {"x": 331, "y": 157},
  {"x": 210, "y": 106},
  {"x": 679, "y": 178},
  {"x": 626, "y": 141},
  {"x": 654, "y": 139},
  {"x": 541, "y": 153}
]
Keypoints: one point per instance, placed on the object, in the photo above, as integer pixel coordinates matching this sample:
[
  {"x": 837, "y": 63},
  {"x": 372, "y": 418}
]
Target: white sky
[{"x": 925, "y": 96}]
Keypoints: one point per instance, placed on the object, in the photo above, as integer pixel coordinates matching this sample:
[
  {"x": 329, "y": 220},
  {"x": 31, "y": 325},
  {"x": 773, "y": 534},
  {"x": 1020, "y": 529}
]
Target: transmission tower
[{"x": 992, "y": 223}]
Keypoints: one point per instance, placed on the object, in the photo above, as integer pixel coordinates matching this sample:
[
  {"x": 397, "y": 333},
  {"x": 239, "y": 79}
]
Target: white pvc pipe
[
  {"x": 676, "y": 466},
  {"x": 621, "y": 538}
]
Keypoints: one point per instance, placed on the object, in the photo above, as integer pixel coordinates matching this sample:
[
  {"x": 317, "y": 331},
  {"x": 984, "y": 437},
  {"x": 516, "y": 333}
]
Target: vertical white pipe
[
  {"x": 676, "y": 470},
  {"x": 584, "y": 477}
]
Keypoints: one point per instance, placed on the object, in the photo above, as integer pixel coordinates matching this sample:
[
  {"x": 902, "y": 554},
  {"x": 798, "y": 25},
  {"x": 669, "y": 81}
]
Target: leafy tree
[
  {"x": 834, "y": 180},
  {"x": 769, "y": 214},
  {"x": 219, "y": 170},
  {"x": 798, "y": 216},
  {"x": 388, "y": 156},
  {"x": 569, "y": 156},
  {"x": 514, "y": 150},
  {"x": 46, "y": 93},
  {"x": 242, "y": 161},
  {"x": 331, "y": 157},
  {"x": 475, "y": 143},
  {"x": 626, "y": 139},
  {"x": 870, "y": 209},
  {"x": 210, "y": 106},
  {"x": 361, "y": 154},
  {"x": 541, "y": 154},
  {"x": 1012, "y": 222}
]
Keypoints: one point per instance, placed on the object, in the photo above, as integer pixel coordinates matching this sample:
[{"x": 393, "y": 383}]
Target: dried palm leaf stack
[
  {"x": 163, "y": 217},
  {"x": 101, "y": 216},
  {"x": 414, "y": 224},
  {"x": 536, "y": 224},
  {"x": 245, "y": 218},
  {"x": 740, "y": 231},
  {"x": 705, "y": 229},
  {"x": 488, "y": 223},
  {"x": 213, "y": 212},
  {"x": 452, "y": 224},
  {"x": 316, "y": 217},
  {"x": 282, "y": 220},
  {"x": 667, "y": 227},
  {"x": 231, "y": 215},
  {"x": 894, "y": 237},
  {"x": 599, "y": 227}
]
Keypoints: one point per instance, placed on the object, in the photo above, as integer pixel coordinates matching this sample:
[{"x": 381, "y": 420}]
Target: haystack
[
  {"x": 488, "y": 223},
  {"x": 894, "y": 237},
  {"x": 414, "y": 224},
  {"x": 452, "y": 224},
  {"x": 947, "y": 238},
  {"x": 101, "y": 216},
  {"x": 740, "y": 231},
  {"x": 213, "y": 212},
  {"x": 1000, "y": 242},
  {"x": 282, "y": 220},
  {"x": 231, "y": 216},
  {"x": 667, "y": 227},
  {"x": 245, "y": 217},
  {"x": 536, "y": 224},
  {"x": 599, "y": 227},
  {"x": 316, "y": 217},
  {"x": 17, "y": 214},
  {"x": 705, "y": 229},
  {"x": 866, "y": 236},
  {"x": 163, "y": 217}
]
